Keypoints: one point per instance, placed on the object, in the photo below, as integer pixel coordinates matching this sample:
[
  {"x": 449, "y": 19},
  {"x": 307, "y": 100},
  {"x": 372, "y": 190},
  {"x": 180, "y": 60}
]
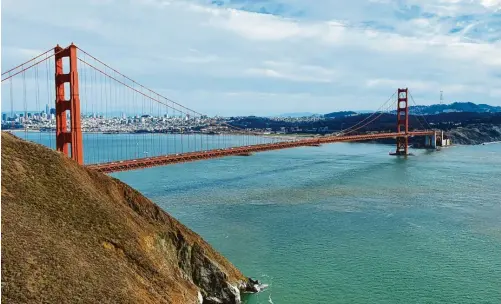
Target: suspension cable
[
  {"x": 350, "y": 129},
  {"x": 24, "y": 63},
  {"x": 381, "y": 114},
  {"x": 140, "y": 85},
  {"x": 130, "y": 87},
  {"x": 34, "y": 64},
  {"x": 422, "y": 115}
]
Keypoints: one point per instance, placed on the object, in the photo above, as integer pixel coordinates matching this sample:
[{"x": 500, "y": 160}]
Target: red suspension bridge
[{"x": 92, "y": 98}]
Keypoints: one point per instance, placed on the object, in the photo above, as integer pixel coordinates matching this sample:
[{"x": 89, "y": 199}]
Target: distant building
[
  {"x": 53, "y": 111},
  {"x": 4, "y": 117},
  {"x": 47, "y": 109}
]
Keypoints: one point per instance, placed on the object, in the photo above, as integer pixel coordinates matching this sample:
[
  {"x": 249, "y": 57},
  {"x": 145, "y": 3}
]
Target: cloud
[
  {"x": 293, "y": 72},
  {"x": 326, "y": 55},
  {"x": 21, "y": 53},
  {"x": 414, "y": 84},
  {"x": 495, "y": 4}
]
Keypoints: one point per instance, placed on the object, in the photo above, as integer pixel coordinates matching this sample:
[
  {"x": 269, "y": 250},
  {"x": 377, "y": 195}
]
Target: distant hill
[
  {"x": 72, "y": 235},
  {"x": 431, "y": 109},
  {"x": 454, "y": 107},
  {"x": 340, "y": 114},
  {"x": 298, "y": 114}
]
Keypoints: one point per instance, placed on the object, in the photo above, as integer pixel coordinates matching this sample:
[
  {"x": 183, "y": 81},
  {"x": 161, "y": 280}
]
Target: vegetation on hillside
[{"x": 73, "y": 235}]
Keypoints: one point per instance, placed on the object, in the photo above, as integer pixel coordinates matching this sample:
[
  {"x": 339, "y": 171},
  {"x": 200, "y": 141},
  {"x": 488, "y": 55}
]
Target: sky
[{"x": 266, "y": 57}]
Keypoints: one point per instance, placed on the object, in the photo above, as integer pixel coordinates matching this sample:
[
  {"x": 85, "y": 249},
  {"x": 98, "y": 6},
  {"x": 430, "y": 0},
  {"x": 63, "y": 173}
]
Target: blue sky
[{"x": 263, "y": 57}]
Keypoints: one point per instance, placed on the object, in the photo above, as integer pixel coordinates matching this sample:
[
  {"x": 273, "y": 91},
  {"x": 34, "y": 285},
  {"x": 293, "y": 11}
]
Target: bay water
[{"x": 345, "y": 223}]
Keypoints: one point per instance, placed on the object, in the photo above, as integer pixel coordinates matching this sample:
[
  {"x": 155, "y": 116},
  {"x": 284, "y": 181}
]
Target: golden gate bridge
[{"x": 81, "y": 83}]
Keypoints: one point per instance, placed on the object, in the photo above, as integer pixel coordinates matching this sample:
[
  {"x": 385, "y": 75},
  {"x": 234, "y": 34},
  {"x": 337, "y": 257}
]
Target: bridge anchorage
[{"x": 153, "y": 129}]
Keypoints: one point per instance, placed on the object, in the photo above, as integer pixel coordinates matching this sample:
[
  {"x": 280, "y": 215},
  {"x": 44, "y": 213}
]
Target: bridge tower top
[{"x": 403, "y": 111}]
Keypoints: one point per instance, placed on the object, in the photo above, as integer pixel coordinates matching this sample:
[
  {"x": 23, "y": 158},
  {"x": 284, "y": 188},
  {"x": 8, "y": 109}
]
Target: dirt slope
[{"x": 70, "y": 235}]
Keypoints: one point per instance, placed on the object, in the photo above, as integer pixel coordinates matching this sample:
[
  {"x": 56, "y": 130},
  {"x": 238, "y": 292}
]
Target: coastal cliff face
[
  {"x": 475, "y": 134},
  {"x": 73, "y": 235}
]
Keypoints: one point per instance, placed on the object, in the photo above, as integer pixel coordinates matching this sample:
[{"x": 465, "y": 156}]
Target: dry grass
[{"x": 71, "y": 235}]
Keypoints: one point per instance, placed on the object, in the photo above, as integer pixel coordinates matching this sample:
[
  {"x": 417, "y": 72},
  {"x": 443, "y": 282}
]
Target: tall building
[
  {"x": 4, "y": 116},
  {"x": 47, "y": 109}
]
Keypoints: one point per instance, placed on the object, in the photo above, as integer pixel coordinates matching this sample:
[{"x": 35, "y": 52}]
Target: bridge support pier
[
  {"x": 402, "y": 123},
  {"x": 430, "y": 141},
  {"x": 73, "y": 136}
]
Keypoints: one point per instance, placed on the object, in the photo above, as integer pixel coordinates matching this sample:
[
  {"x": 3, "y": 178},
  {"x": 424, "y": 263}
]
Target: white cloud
[
  {"x": 496, "y": 93},
  {"x": 22, "y": 53},
  {"x": 195, "y": 59},
  {"x": 324, "y": 58},
  {"x": 416, "y": 85},
  {"x": 293, "y": 72},
  {"x": 258, "y": 26},
  {"x": 495, "y": 4}
]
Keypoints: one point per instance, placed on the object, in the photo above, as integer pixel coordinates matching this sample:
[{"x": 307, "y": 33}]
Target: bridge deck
[{"x": 141, "y": 163}]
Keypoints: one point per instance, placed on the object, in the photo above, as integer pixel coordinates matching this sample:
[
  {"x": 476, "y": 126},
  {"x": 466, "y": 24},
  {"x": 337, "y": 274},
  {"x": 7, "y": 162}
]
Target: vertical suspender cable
[
  {"x": 84, "y": 108},
  {"x": 103, "y": 86},
  {"x": 108, "y": 106},
  {"x": 37, "y": 101},
  {"x": 175, "y": 130},
  {"x": 142, "y": 119},
  {"x": 25, "y": 105},
  {"x": 150, "y": 124},
  {"x": 159, "y": 130},
  {"x": 11, "y": 98}
]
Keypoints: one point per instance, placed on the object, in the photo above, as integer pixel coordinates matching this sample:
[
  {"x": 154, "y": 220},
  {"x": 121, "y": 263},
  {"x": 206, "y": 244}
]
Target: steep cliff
[
  {"x": 475, "y": 134},
  {"x": 73, "y": 235}
]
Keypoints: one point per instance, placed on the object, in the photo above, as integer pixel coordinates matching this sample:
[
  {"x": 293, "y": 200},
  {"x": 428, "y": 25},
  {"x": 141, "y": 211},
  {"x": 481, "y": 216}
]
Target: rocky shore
[{"x": 475, "y": 134}]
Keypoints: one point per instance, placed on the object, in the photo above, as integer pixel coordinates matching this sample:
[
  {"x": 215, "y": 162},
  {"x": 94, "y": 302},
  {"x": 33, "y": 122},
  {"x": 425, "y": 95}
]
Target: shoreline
[
  {"x": 491, "y": 142},
  {"x": 270, "y": 136}
]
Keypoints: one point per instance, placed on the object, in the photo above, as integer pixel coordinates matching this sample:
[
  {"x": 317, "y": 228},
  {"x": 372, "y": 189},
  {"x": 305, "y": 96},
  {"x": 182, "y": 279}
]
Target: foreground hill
[{"x": 72, "y": 235}]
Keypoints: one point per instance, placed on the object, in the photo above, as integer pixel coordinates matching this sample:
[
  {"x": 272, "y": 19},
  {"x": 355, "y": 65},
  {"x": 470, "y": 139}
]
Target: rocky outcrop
[
  {"x": 206, "y": 274},
  {"x": 73, "y": 235},
  {"x": 475, "y": 134}
]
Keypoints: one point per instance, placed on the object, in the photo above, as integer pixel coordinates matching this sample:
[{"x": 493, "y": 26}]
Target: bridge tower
[
  {"x": 402, "y": 121},
  {"x": 73, "y": 136}
]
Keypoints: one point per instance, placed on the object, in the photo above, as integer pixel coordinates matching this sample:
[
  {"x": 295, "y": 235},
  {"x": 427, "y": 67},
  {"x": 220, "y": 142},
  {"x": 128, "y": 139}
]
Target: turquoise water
[
  {"x": 98, "y": 148},
  {"x": 347, "y": 223}
]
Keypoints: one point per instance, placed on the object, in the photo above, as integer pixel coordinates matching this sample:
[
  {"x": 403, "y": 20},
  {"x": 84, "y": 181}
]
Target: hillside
[
  {"x": 340, "y": 114},
  {"x": 475, "y": 134},
  {"x": 469, "y": 107},
  {"x": 73, "y": 235}
]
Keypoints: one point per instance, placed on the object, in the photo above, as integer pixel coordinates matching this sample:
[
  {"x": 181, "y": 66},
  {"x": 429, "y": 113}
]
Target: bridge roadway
[{"x": 154, "y": 161}]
